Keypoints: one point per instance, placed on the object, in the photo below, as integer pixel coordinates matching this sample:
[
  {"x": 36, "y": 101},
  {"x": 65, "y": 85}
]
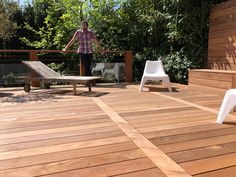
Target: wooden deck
[{"x": 115, "y": 131}]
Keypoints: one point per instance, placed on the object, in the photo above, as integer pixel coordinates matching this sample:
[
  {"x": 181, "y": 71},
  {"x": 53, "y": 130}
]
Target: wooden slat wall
[{"x": 222, "y": 37}]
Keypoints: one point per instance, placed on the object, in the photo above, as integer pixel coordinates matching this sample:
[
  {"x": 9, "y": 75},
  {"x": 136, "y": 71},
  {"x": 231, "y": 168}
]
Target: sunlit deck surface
[{"x": 115, "y": 131}]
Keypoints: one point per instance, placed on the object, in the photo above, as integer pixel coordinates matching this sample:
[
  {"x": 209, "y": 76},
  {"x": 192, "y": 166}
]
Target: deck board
[{"x": 57, "y": 134}]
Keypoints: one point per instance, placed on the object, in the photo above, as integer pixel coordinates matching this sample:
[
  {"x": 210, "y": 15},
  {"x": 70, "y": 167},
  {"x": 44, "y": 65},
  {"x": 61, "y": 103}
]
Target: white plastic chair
[
  {"x": 116, "y": 70},
  {"x": 99, "y": 67},
  {"x": 154, "y": 71},
  {"x": 227, "y": 105}
]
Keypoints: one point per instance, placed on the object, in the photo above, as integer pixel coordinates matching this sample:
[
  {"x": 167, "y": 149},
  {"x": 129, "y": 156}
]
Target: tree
[{"x": 8, "y": 9}]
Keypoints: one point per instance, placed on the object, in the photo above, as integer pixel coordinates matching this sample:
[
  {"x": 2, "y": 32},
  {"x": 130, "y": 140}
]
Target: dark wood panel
[
  {"x": 222, "y": 27},
  {"x": 223, "y": 19},
  {"x": 225, "y": 11},
  {"x": 222, "y": 40},
  {"x": 223, "y": 33},
  {"x": 222, "y": 47},
  {"x": 222, "y": 6}
]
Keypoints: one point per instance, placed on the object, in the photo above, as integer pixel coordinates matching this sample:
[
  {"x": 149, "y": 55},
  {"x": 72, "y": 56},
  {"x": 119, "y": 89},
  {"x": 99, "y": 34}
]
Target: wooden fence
[{"x": 34, "y": 56}]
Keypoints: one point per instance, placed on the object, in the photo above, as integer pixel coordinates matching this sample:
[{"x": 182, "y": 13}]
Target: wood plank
[
  {"x": 56, "y": 122},
  {"x": 62, "y": 140},
  {"x": 206, "y": 88},
  {"x": 156, "y": 111},
  {"x": 219, "y": 173},
  {"x": 172, "y": 121},
  {"x": 210, "y": 75},
  {"x": 222, "y": 27},
  {"x": 109, "y": 169},
  {"x": 202, "y": 153},
  {"x": 165, "y": 116},
  {"x": 174, "y": 126},
  {"x": 234, "y": 81},
  {"x": 192, "y": 136},
  {"x": 153, "y": 172},
  {"x": 61, "y": 147},
  {"x": 210, "y": 164},
  {"x": 222, "y": 12},
  {"x": 222, "y": 66},
  {"x": 52, "y": 130},
  {"x": 222, "y": 6},
  {"x": 211, "y": 83},
  {"x": 183, "y": 130},
  {"x": 222, "y": 53},
  {"x": 65, "y": 155},
  {"x": 219, "y": 59},
  {"x": 57, "y": 134},
  {"x": 214, "y": 71},
  {"x": 221, "y": 34},
  {"x": 75, "y": 163},
  {"x": 204, "y": 142},
  {"x": 223, "y": 19},
  {"x": 49, "y": 125}
]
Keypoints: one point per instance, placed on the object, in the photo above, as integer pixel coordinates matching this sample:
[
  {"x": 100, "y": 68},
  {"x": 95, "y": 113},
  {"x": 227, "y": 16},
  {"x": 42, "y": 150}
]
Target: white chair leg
[
  {"x": 142, "y": 84},
  {"x": 226, "y": 106},
  {"x": 169, "y": 88},
  {"x": 167, "y": 83}
]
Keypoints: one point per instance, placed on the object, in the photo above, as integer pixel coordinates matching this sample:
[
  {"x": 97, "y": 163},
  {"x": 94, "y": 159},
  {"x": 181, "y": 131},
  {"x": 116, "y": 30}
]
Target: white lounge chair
[
  {"x": 99, "y": 67},
  {"x": 154, "y": 71},
  {"x": 227, "y": 105},
  {"x": 116, "y": 69}
]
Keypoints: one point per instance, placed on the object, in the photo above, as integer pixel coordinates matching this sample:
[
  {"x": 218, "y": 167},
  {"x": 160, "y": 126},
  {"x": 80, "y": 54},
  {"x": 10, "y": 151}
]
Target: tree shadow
[
  {"x": 2, "y": 95},
  {"x": 161, "y": 89},
  {"x": 26, "y": 98},
  {"x": 120, "y": 85}
]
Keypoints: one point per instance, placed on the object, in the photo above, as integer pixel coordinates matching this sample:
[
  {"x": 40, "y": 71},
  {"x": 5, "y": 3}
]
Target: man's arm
[
  {"x": 70, "y": 42},
  {"x": 98, "y": 45}
]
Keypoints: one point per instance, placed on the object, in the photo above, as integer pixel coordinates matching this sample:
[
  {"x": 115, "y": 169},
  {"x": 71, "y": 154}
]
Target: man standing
[{"x": 85, "y": 38}]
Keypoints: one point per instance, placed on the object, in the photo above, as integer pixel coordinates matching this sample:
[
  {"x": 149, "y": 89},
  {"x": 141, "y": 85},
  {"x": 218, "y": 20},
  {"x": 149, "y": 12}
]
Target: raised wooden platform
[{"x": 220, "y": 79}]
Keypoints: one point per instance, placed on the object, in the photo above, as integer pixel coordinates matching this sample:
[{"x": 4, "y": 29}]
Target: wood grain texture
[{"x": 221, "y": 43}]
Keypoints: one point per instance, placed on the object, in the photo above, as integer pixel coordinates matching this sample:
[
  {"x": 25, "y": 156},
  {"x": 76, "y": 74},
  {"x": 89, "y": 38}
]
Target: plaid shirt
[{"x": 85, "y": 41}]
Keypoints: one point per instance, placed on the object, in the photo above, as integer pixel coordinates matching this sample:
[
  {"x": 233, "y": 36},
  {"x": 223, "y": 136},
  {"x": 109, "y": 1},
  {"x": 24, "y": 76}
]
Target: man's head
[{"x": 84, "y": 25}]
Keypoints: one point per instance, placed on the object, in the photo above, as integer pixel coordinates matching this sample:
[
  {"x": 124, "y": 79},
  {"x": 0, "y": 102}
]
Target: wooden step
[{"x": 219, "y": 79}]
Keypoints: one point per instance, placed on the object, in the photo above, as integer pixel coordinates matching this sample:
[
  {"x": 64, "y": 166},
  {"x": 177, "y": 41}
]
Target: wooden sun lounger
[{"x": 47, "y": 75}]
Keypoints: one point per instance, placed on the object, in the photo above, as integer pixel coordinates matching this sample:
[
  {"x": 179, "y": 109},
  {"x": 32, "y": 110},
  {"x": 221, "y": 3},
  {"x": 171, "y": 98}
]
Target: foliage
[
  {"x": 8, "y": 9},
  {"x": 176, "y": 31}
]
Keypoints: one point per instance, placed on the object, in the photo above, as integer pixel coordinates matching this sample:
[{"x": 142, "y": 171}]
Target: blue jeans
[{"x": 86, "y": 61}]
